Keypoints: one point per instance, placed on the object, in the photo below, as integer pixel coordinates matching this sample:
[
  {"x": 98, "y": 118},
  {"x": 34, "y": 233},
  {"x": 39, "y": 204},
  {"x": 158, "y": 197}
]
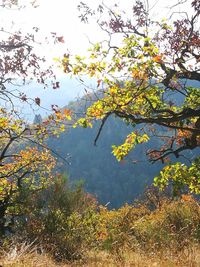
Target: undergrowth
[{"x": 66, "y": 225}]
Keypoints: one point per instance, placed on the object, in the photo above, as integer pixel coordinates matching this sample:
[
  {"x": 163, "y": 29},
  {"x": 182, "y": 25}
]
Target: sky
[{"x": 62, "y": 17}]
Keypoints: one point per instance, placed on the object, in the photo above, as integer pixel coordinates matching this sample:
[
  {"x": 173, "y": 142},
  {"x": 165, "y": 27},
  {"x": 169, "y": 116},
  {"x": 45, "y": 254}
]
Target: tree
[
  {"x": 149, "y": 76},
  {"x": 21, "y": 170},
  {"x": 26, "y": 162}
]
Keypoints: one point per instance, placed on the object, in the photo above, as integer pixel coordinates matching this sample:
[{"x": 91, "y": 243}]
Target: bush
[
  {"x": 175, "y": 225},
  {"x": 116, "y": 227},
  {"x": 56, "y": 219}
]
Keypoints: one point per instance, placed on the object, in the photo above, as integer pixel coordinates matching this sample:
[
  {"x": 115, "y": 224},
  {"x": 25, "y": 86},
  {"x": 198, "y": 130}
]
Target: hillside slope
[{"x": 108, "y": 179}]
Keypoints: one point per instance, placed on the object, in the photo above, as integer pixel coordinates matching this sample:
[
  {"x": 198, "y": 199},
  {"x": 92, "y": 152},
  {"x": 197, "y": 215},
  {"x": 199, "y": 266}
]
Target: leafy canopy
[
  {"x": 147, "y": 73},
  {"x": 26, "y": 163}
]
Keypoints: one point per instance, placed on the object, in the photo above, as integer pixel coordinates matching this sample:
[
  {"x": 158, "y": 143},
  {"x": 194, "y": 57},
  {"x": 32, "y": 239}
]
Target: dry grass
[
  {"x": 136, "y": 259},
  {"x": 28, "y": 256},
  {"x": 24, "y": 255}
]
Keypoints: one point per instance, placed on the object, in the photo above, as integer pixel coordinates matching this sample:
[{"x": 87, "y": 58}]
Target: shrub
[
  {"x": 116, "y": 227},
  {"x": 175, "y": 225},
  {"x": 56, "y": 218}
]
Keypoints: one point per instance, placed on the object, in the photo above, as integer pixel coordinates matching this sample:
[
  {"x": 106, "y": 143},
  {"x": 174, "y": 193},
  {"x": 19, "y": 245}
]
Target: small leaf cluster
[{"x": 180, "y": 176}]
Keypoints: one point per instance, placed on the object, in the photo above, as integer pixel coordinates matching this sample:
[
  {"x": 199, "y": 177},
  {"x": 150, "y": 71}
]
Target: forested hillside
[{"x": 110, "y": 180}]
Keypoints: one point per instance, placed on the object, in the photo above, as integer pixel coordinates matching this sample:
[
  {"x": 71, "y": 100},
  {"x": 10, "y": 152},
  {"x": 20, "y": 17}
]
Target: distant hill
[{"x": 108, "y": 179}]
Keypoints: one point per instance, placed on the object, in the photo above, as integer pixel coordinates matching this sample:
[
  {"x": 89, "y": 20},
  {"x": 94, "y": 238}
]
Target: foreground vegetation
[{"x": 64, "y": 225}]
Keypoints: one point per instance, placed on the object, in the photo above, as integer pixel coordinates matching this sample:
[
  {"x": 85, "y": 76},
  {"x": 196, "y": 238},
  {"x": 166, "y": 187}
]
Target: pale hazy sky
[{"x": 61, "y": 16}]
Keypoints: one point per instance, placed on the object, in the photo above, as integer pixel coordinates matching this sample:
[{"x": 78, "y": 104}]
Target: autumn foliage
[
  {"x": 146, "y": 77},
  {"x": 147, "y": 73},
  {"x": 26, "y": 163}
]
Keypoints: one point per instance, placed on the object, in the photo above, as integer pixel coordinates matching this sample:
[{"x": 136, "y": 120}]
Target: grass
[{"x": 25, "y": 255}]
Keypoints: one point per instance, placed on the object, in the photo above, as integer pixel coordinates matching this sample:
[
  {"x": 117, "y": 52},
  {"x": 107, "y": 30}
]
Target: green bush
[{"x": 61, "y": 219}]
